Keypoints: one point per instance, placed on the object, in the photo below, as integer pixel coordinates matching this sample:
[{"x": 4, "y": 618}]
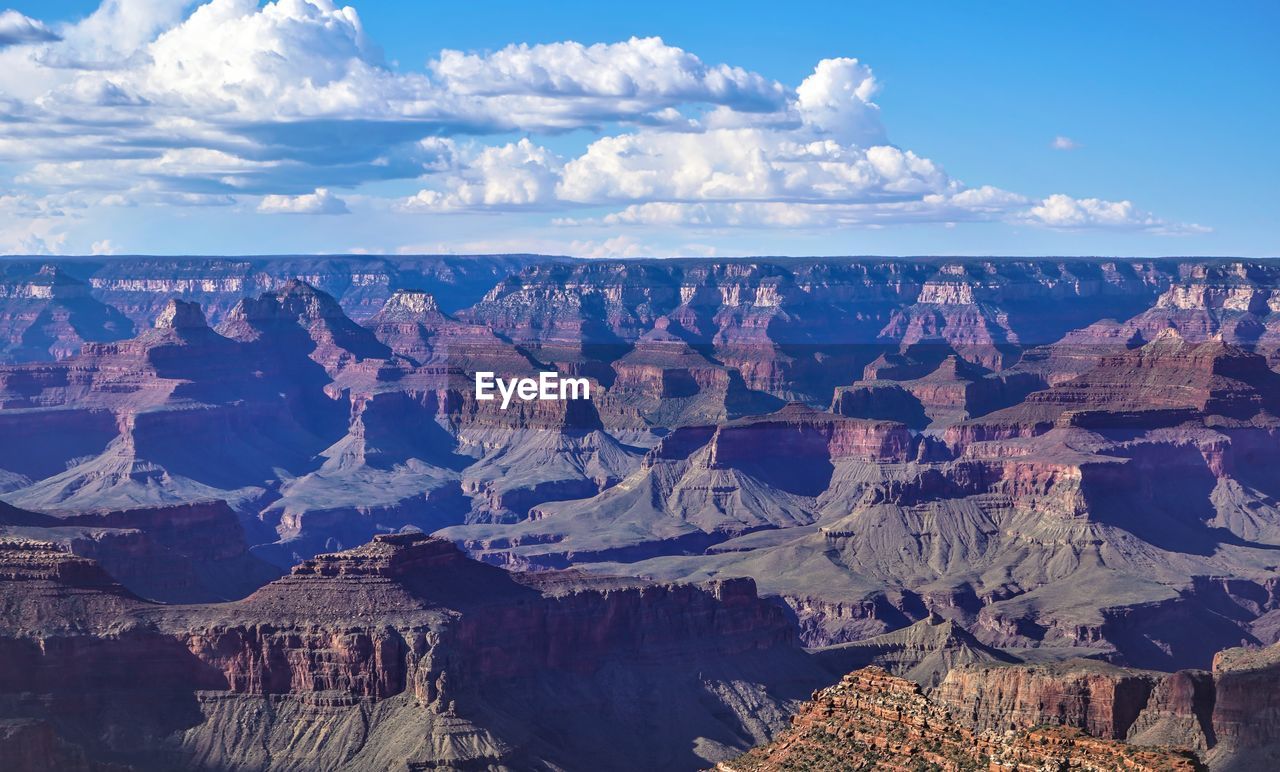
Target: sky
[{"x": 654, "y": 129}]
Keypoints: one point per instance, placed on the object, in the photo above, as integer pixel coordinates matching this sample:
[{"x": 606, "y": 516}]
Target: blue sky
[{"x": 160, "y": 126}]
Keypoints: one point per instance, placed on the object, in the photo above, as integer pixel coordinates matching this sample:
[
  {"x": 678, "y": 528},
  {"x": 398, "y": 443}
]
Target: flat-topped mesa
[
  {"x": 799, "y": 432},
  {"x": 1166, "y": 382},
  {"x": 400, "y": 612},
  {"x": 1246, "y": 703},
  {"x": 1079, "y": 351},
  {"x": 953, "y": 391},
  {"x": 923, "y": 652},
  {"x": 23, "y": 559},
  {"x": 52, "y": 282},
  {"x": 46, "y": 590},
  {"x": 1211, "y": 377},
  {"x": 488, "y": 658},
  {"x": 392, "y": 578},
  {"x": 388, "y": 555},
  {"x": 663, "y": 365},
  {"x": 1203, "y": 297}
]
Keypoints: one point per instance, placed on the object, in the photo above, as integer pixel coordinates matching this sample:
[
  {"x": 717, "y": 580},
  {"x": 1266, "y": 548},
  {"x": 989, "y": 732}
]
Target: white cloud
[
  {"x": 149, "y": 102},
  {"x": 1064, "y": 143},
  {"x": 836, "y": 99},
  {"x": 287, "y": 59},
  {"x": 16, "y": 30},
  {"x": 743, "y": 164},
  {"x": 322, "y": 201},
  {"x": 296, "y": 88},
  {"x": 617, "y": 246},
  {"x": 33, "y": 225},
  {"x": 622, "y": 245},
  {"x": 646, "y": 74},
  {"x": 974, "y": 204},
  {"x": 34, "y": 243},
  {"x": 114, "y": 35},
  {"x": 103, "y": 247},
  {"x": 1064, "y": 212},
  {"x": 24, "y": 236},
  {"x": 984, "y": 204},
  {"x": 516, "y": 174}
]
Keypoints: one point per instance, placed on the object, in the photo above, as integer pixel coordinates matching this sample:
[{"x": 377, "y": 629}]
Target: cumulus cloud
[
  {"x": 743, "y": 164},
  {"x": 31, "y": 226},
  {"x": 16, "y": 30},
  {"x": 103, "y": 247},
  {"x": 644, "y": 73},
  {"x": 186, "y": 103},
  {"x": 297, "y": 88},
  {"x": 1064, "y": 212},
  {"x": 114, "y": 35},
  {"x": 322, "y": 201},
  {"x": 519, "y": 174},
  {"x": 836, "y": 99},
  {"x": 1064, "y": 143}
]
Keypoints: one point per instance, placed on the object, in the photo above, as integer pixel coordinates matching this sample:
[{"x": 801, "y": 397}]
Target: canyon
[{"x": 999, "y": 511}]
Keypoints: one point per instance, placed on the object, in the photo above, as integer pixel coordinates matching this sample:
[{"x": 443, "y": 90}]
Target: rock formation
[
  {"x": 441, "y": 659},
  {"x": 46, "y": 314},
  {"x": 872, "y": 720},
  {"x": 970, "y": 472}
]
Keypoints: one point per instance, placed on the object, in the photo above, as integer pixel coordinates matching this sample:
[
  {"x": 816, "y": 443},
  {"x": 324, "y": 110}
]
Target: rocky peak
[
  {"x": 294, "y": 303},
  {"x": 294, "y": 299},
  {"x": 299, "y": 309},
  {"x": 954, "y": 368},
  {"x": 51, "y": 283},
  {"x": 663, "y": 346},
  {"x": 52, "y": 274},
  {"x": 181, "y": 315},
  {"x": 409, "y": 303}
]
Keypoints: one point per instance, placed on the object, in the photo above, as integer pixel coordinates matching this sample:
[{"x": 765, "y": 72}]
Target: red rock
[{"x": 872, "y": 720}]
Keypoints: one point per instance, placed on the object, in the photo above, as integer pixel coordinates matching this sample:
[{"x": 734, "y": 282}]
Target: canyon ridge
[{"x": 827, "y": 513}]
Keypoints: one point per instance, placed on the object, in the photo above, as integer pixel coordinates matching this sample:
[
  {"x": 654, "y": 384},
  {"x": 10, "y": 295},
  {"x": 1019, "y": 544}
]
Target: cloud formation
[
  {"x": 322, "y": 201},
  {"x": 16, "y": 30},
  {"x": 1064, "y": 212},
  {"x": 277, "y": 105},
  {"x": 519, "y": 174}
]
